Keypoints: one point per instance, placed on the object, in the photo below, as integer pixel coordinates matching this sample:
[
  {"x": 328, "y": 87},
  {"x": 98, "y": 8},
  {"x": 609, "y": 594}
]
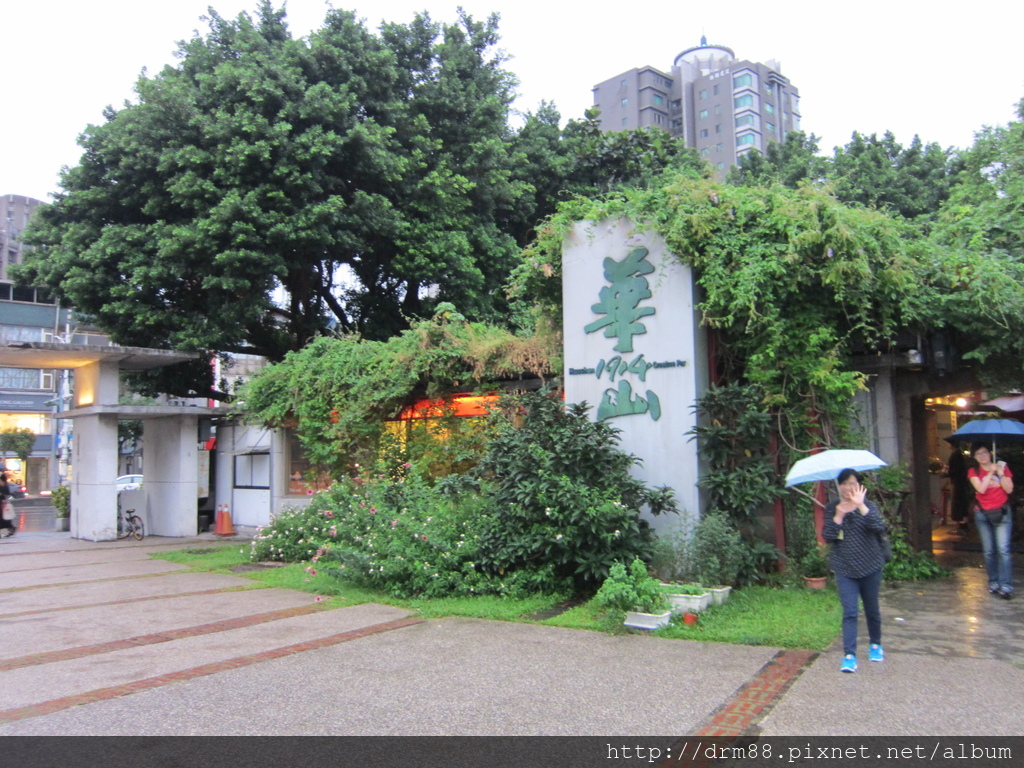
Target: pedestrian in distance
[
  {"x": 993, "y": 517},
  {"x": 7, "y": 526},
  {"x": 960, "y": 498},
  {"x": 854, "y": 527}
]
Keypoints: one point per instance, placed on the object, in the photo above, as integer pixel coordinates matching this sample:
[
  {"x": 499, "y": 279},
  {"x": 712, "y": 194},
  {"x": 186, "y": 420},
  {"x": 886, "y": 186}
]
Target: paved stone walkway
[{"x": 99, "y": 639}]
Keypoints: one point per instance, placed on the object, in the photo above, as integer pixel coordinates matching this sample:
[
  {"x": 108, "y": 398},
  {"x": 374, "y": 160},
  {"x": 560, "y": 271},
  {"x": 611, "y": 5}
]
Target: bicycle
[{"x": 129, "y": 524}]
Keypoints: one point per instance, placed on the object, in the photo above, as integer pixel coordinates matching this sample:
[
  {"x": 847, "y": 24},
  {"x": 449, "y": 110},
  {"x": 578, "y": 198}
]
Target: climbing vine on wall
[
  {"x": 793, "y": 281},
  {"x": 336, "y": 393}
]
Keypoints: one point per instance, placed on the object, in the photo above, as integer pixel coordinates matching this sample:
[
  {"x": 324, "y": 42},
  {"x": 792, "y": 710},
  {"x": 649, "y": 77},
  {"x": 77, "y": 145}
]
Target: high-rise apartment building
[{"x": 721, "y": 106}]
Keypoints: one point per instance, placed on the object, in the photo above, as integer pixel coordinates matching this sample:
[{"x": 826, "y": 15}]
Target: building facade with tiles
[{"x": 722, "y": 106}]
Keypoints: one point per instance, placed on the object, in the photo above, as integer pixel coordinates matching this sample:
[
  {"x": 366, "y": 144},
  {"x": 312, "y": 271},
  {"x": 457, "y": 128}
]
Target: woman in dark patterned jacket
[{"x": 854, "y": 527}]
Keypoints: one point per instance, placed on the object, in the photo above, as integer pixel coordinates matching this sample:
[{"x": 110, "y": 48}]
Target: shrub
[
  {"x": 402, "y": 537},
  {"x": 293, "y": 535},
  {"x": 630, "y": 590},
  {"x": 61, "y": 498},
  {"x": 560, "y": 498},
  {"x": 718, "y": 550},
  {"x": 734, "y": 436},
  {"x": 908, "y": 564}
]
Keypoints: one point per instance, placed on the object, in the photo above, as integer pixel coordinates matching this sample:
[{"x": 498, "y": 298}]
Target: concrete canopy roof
[{"x": 40, "y": 354}]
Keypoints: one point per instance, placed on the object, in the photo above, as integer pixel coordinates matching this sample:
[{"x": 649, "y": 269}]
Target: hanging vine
[{"x": 795, "y": 283}]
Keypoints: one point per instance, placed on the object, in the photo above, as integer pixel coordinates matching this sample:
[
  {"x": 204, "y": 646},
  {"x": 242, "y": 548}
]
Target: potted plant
[
  {"x": 686, "y": 597},
  {"x": 814, "y": 567},
  {"x": 634, "y": 593},
  {"x": 61, "y": 500}
]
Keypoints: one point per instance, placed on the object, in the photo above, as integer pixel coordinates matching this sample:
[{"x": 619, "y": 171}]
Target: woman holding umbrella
[
  {"x": 993, "y": 484},
  {"x": 854, "y": 527}
]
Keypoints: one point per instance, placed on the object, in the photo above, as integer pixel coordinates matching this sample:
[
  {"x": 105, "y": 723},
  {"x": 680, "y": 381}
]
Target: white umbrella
[{"x": 828, "y": 464}]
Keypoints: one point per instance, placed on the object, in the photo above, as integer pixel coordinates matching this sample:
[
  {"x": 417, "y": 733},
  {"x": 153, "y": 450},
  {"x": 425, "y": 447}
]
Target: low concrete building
[{"x": 171, "y": 432}]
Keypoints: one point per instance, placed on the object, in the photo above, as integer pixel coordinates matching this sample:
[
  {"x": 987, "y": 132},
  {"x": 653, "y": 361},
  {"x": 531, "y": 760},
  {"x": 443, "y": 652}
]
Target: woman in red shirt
[{"x": 993, "y": 484}]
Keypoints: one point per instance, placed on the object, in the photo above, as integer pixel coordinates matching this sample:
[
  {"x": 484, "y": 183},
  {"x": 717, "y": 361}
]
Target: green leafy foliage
[
  {"x": 548, "y": 509},
  {"x": 631, "y": 589},
  {"x": 61, "y": 498},
  {"x": 908, "y": 564},
  {"x": 348, "y": 170},
  {"x": 814, "y": 564},
  {"x": 560, "y": 496},
  {"x": 718, "y": 550},
  {"x": 17, "y": 440},
  {"x": 682, "y": 589},
  {"x": 402, "y": 537},
  {"x": 912, "y": 181},
  {"x": 337, "y": 393},
  {"x": 789, "y": 163},
  {"x": 733, "y": 435}
]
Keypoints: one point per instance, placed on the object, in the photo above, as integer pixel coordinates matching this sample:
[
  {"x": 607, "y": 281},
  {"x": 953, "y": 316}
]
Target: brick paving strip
[
  {"x": 737, "y": 717},
  {"x": 66, "y": 654},
  {"x": 28, "y": 587},
  {"x": 219, "y": 590},
  {"x": 103, "y": 694}
]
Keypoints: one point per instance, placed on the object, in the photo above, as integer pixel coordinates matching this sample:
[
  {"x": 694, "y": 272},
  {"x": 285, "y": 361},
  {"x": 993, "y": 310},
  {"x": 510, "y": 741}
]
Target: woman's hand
[{"x": 858, "y": 496}]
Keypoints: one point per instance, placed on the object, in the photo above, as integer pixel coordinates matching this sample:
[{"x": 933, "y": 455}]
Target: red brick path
[
  {"x": 102, "y": 694},
  {"x": 738, "y": 716}
]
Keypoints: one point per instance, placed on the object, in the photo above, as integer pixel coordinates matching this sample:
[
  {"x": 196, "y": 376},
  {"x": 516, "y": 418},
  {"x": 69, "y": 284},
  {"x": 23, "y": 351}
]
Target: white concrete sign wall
[{"x": 635, "y": 350}]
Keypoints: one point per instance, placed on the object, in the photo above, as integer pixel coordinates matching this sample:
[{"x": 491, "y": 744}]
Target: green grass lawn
[{"x": 780, "y": 617}]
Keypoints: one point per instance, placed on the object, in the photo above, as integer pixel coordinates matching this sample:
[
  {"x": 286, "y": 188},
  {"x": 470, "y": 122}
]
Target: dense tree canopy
[
  {"x": 266, "y": 189},
  {"x": 874, "y": 172},
  {"x": 350, "y": 173},
  {"x": 797, "y": 283}
]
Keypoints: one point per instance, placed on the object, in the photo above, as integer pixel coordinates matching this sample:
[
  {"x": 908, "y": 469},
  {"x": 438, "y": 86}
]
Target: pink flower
[
  {"x": 333, "y": 531},
  {"x": 423, "y": 537},
  {"x": 319, "y": 599},
  {"x": 394, "y": 523},
  {"x": 311, "y": 571},
  {"x": 407, "y": 465},
  {"x": 373, "y": 510},
  {"x": 328, "y": 513}
]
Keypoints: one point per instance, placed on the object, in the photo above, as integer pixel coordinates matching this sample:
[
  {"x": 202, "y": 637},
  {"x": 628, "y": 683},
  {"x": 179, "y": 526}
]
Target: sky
[{"x": 871, "y": 66}]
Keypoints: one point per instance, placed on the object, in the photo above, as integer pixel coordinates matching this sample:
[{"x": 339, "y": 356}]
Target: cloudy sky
[{"x": 870, "y": 66}]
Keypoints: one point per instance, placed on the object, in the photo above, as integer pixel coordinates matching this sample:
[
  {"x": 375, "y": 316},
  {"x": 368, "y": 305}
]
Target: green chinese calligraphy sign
[{"x": 620, "y": 300}]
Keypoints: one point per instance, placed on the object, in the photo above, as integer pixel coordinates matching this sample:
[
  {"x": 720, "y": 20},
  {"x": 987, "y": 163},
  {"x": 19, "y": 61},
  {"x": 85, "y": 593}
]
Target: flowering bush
[
  {"x": 294, "y": 535},
  {"x": 402, "y": 537}
]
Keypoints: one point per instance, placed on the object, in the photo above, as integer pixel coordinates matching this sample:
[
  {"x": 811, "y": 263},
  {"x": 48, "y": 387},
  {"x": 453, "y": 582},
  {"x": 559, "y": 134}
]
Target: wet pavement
[
  {"x": 956, "y": 616},
  {"x": 34, "y": 514},
  {"x": 102, "y": 640}
]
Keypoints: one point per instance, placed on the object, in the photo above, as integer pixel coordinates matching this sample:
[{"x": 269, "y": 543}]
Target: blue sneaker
[
  {"x": 849, "y": 663},
  {"x": 875, "y": 652}
]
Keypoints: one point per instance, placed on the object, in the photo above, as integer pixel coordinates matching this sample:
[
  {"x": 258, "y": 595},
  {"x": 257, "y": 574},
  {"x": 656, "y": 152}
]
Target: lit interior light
[{"x": 961, "y": 402}]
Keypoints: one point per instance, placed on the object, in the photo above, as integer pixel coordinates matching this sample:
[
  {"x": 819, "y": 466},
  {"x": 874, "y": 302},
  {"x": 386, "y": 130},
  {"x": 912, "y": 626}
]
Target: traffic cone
[{"x": 224, "y": 526}]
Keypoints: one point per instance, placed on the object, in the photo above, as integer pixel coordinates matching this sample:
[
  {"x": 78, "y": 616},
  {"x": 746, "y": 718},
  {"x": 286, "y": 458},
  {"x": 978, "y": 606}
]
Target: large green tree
[
  {"x": 978, "y": 243},
  {"x": 266, "y": 188},
  {"x": 880, "y": 172},
  {"x": 911, "y": 181}
]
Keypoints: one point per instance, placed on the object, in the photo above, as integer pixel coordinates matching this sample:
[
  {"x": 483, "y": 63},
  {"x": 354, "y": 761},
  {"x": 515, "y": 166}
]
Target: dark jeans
[{"x": 866, "y": 588}]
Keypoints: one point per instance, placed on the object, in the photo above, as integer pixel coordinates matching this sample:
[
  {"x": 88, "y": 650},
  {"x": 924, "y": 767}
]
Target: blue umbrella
[
  {"x": 989, "y": 430},
  {"x": 828, "y": 464}
]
